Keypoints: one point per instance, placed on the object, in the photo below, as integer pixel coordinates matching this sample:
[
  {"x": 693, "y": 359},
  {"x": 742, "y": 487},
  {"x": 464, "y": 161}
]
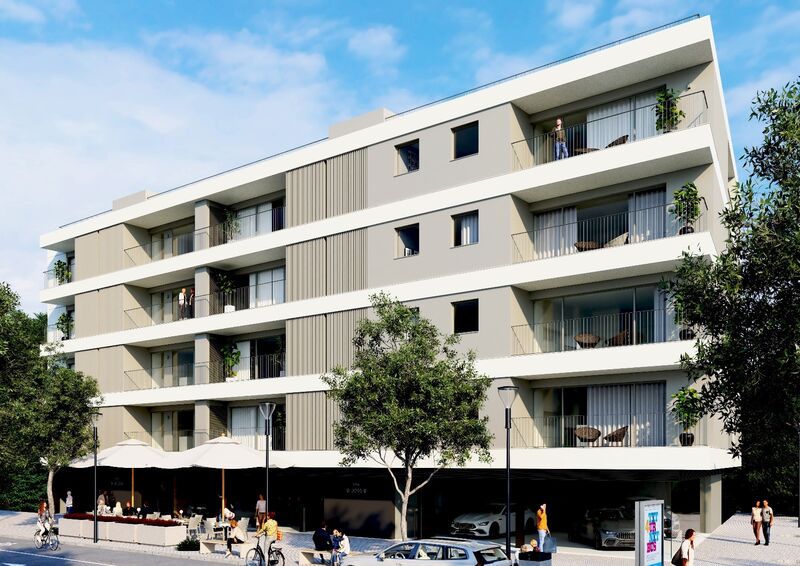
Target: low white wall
[{"x": 123, "y": 532}]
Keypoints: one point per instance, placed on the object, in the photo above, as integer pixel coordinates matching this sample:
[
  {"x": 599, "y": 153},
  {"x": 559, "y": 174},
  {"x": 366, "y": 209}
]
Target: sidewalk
[{"x": 733, "y": 543}]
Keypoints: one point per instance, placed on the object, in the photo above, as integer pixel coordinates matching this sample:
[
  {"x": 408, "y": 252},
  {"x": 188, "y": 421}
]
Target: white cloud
[
  {"x": 21, "y": 12},
  {"x": 379, "y": 47},
  {"x": 575, "y": 14},
  {"x": 92, "y": 123}
]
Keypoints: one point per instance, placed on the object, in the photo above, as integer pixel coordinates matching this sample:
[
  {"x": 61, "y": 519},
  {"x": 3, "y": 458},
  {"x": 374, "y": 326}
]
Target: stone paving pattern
[{"x": 730, "y": 545}]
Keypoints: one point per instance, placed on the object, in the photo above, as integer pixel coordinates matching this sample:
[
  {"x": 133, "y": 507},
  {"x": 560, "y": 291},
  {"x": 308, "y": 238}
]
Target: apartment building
[{"x": 194, "y": 305}]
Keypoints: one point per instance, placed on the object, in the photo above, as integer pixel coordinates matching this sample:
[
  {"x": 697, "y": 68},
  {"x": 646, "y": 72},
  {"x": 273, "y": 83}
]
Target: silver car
[
  {"x": 605, "y": 528},
  {"x": 444, "y": 552}
]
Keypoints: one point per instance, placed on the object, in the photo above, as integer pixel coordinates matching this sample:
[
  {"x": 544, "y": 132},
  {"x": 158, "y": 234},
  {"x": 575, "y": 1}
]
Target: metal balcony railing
[
  {"x": 247, "y": 297},
  {"x": 53, "y": 279},
  {"x": 254, "y": 437},
  {"x": 154, "y": 251},
  {"x": 162, "y": 313},
  {"x": 600, "y": 430},
  {"x": 600, "y": 331},
  {"x": 264, "y": 366},
  {"x": 610, "y": 131},
  {"x": 184, "y": 439},
  {"x": 612, "y": 230},
  {"x": 159, "y": 377}
]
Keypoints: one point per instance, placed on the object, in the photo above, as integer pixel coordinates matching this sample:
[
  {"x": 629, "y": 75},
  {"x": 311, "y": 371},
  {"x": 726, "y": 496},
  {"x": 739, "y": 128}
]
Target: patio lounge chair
[
  {"x": 622, "y": 338},
  {"x": 586, "y": 340},
  {"x": 587, "y": 433},
  {"x": 617, "y": 435}
]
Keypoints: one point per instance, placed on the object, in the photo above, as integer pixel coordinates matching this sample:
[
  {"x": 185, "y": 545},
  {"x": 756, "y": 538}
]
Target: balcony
[
  {"x": 159, "y": 377},
  {"x": 184, "y": 439},
  {"x": 62, "y": 273},
  {"x": 599, "y": 331},
  {"x": 264, "y": 366},
  {"x": 160, "y": 249},
  {"x": 609, "y": 129},
  {"x": 597, "y": 431},
  {"x": 561, "y": 233}
]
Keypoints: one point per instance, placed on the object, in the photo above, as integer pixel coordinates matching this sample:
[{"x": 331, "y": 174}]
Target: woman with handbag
[{"x": 685, "y": 554}]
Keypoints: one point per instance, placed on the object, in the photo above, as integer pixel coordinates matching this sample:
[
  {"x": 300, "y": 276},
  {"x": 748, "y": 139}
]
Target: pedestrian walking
[
  {"x": 685, "y": 554},
  {"x": 69, "y": 502},
  {"x": 767, "y": 519},
  {"x": 261, "y": 510},
  {"x": 541, "y": 524},
  {"x": 756, "y": 519}
]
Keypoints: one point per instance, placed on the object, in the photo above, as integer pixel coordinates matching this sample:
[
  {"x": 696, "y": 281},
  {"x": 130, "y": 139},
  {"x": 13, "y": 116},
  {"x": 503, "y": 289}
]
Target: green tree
[
  {"x": 746, "y": 304},
  {"x": 408, "y": 396},
  {"x": 45, "y": 408}
]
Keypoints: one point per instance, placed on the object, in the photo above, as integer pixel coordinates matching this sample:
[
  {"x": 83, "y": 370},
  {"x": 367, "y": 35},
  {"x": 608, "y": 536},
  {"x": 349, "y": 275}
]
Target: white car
[
  {"x": 443, "y": 552},
  {"x": 489, "y": 521}
]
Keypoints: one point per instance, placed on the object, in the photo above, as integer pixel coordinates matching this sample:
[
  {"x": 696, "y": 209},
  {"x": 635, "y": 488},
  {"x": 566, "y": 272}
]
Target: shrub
[{"x": 188, "y": 544}]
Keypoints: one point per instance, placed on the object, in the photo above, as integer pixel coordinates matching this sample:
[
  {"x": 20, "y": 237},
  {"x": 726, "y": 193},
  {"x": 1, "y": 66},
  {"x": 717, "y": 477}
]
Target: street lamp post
[
  {"x": 266, "y": 411},
  {"x": 95, "y": 421},
  {"x": 507, "y": 395}
]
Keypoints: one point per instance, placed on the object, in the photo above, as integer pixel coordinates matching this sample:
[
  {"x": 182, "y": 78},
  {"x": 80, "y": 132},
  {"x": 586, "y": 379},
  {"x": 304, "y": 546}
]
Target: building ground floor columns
[{"x": 364, "y": 500}]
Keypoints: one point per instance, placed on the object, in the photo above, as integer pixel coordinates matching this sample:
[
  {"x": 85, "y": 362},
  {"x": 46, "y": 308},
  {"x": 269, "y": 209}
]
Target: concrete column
[
  {"x": 202, "y": 360},
  {"x": 206, "y": 214},
  {"x": 203, "y": 287},
  {"x": 202, "y": 421},
  {"x": 710, "y": 503}
]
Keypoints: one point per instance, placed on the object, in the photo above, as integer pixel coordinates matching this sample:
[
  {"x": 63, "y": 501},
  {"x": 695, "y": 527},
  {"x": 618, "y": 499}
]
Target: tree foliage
[
  {"x": 45, "y": 408},
  {"x": 746, "y": 303},
  {"x": 409, "y": 396}
]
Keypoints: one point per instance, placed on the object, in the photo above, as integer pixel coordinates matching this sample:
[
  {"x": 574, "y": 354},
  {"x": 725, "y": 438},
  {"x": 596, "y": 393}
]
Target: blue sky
[{"x": 104, "y": 98}]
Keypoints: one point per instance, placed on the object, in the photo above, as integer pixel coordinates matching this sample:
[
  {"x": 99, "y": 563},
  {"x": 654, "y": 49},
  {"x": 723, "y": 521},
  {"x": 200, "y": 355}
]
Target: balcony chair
[
  {"x": 622, "y": 338},
  {"x": 587, "y": 340},
  {"x": 587, "y": 245},
  {"x": 587, "y": 433},
  {"x": 620, "y": 240},
  {"x": 617, "y": 435},
  {"x": 619, "y": 141}
]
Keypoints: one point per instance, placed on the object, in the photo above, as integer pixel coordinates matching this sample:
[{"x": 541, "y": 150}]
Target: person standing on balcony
[
  {"x": 767, "y": 518},
  {"x": 190, "y": 308},
  {"x": 560, "y": 138},
  {"x": 182, "y": 304}
]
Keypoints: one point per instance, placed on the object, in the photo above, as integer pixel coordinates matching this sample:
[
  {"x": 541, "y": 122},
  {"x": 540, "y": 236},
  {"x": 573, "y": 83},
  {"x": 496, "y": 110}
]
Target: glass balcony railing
[
  {"x": 58, "y": 333},
  {"x": 184, "y": 439},
  {"x": 600, "y": 331},
  {"x": 158, "y": 377},
  {"x": 612, "y": 230},
  {"x": 599, "y": 430},
  {"x": 244, "y": 227},
  {"x": 56, "y": 277},
  {"x": 611, "y": 131}
]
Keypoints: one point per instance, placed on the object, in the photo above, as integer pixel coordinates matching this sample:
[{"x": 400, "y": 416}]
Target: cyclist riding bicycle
[{"x": 44, "y": 521}]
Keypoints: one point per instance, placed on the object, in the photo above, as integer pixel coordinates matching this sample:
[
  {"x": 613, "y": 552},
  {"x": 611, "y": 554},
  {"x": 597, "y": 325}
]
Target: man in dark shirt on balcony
[{"x": 560, "y": 138}]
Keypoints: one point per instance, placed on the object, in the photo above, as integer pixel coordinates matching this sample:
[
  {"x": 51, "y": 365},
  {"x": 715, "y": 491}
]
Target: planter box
[
  {"x": 122, "y": 532},
  {"x": 160, "y": 536},
  {"x": 70, "y": 527}
]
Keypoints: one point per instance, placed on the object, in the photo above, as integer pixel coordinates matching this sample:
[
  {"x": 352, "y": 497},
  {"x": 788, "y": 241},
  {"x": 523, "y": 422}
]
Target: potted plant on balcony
[
  {"x": 231, "y": 225},
  {"x": 686, "y": 206},
  {"x": 61, "y": 270},
  {"x": 687, "y": 410},
  {"x": 64, "y": 325},
  {"x": 225, "y": 286},
  {"x": 668, "y": 115},
  {"x": 231, "y": 356}
]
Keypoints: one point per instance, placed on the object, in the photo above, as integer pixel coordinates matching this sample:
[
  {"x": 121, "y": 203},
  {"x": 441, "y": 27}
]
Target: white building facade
[{"x": 546, "y": 263}]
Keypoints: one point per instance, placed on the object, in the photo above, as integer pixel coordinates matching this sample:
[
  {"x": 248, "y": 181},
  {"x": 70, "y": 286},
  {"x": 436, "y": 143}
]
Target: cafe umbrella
[
  {"x": 131, "y": 454},
  {"x": 221, "y": 453}
]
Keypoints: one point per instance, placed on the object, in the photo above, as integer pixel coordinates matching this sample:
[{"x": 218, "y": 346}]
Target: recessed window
[
  {"x": 408, "y": 240},
  {"x": 465, "y": 229},
  {"x": 465, "y": 316},
  {"x": 407, "y": 157},
  {"x": 465, "y": 140}
]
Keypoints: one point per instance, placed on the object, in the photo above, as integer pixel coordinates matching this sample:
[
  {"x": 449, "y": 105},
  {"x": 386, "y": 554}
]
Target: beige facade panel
[
  {"x": 306, "y": 194},
  {"x": 305, "y": 270},
  {"x": 86, "y": 256},
  {"x": 340, "y": 328},
  {"x": 309, "y": 421},
  {"x": 347, "y": 262},
  {"x": 347, "y": 183},
  {"x": 306, "y": 345}
]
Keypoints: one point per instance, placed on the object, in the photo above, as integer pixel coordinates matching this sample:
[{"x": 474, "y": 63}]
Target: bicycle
[
  {"x": 255, "y": 556},
  {"x": 48, "y": 539}
]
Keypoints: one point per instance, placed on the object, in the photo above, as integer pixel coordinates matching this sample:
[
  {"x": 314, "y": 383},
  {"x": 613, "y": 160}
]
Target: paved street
[{"x": 730, "y": 545}]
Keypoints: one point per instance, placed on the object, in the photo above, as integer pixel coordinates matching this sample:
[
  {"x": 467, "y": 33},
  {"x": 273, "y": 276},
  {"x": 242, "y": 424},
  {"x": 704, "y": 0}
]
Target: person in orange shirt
[{"x": 541, "y": 524}]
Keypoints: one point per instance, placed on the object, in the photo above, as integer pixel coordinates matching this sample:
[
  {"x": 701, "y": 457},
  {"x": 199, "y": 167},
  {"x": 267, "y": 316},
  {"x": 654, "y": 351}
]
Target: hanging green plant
[
  {"x": 62, "y": 273},
  {"x": 64, "y": 325},
  {"x": 231, "y": 356},
  {"x": 686, "y": 206},
  {"x": 668, "y": 115}
]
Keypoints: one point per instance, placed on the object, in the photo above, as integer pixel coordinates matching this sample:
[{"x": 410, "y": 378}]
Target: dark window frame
[
  {"x": 466, "y": 152},
  {"x": 470, "y": 321},
  {"x": 403, "y": 166},
  {"x": 400, "y": 251}
]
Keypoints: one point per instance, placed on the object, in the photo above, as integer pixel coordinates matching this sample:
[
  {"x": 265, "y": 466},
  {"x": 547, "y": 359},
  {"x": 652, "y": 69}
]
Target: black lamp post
[
  {"x": 95, "y": 421},
  {"x": 266, "y": 411},
  {"x": 507, "y": 395}
]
